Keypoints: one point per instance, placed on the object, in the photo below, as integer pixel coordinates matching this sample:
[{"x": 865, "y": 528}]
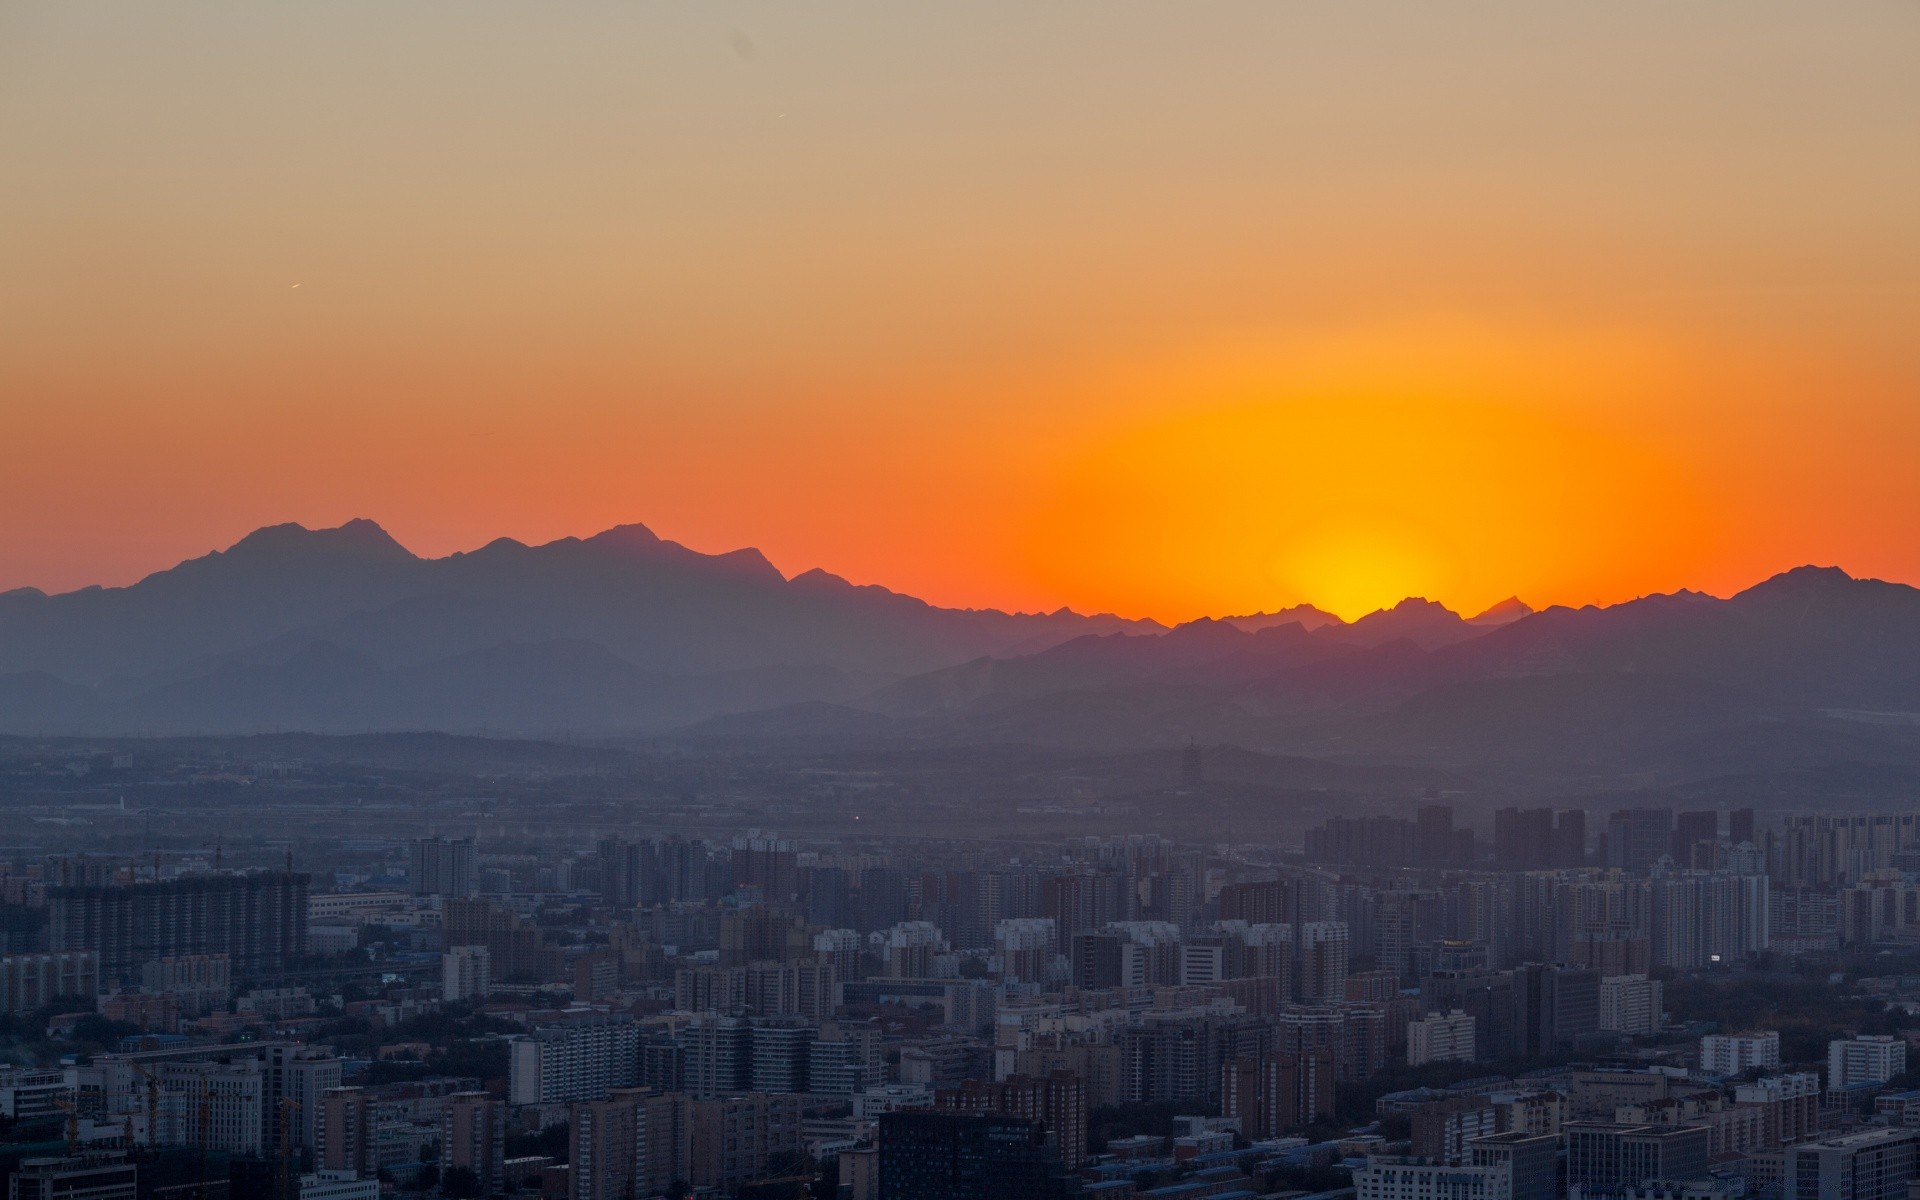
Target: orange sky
[{"x": 1165, "y": 309}]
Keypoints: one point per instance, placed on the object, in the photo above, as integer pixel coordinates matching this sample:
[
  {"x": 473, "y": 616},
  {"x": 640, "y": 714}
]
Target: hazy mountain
[
  {"x": 1304, "y": 615},
  {"x": 1654, "y": 688},
  {"x": 1811, "y": 674},
  {"x": 1506, "y": 612},
  {"x": 345, "y": 629}
]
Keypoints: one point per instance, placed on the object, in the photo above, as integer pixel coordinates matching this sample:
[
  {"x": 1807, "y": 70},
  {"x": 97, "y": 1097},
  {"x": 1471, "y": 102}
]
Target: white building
[
  {"x": 577, "y": 1060},
  {"x": 1440, "y": 1037},
  {"x": 1630, "y": 1004},
  {"x": 338, "y": 1185},
  {"x": 1865, "y": 1059},
  {"x": 466, "y": 973},
  {"x": 1733, "y": 1053},
  {"x": 1396, "y": 1177},
  {"x": 1321, "y": 953},
  {"x": 1025, "y": 946},
  {"x": 354, "y": 908},
  {"x": 1874, "y": 1164}
]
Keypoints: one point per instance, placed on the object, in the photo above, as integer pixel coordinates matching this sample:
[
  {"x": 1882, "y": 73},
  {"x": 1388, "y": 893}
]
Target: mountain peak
[
  {"x": 634, "y": 536},
  {"x": 359, "y": 536},
  {"x": 1506, "y": 612},
  {"x": 1304, "y": 615},
  {"x": 1415, "y": 606},
  {"x": 1808, "y": 576}
]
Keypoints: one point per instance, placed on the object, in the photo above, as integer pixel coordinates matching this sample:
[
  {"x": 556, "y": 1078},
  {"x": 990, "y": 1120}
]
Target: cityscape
[
  {"x": 988, "y": 600},
  {"x": 231, "y": 991}
]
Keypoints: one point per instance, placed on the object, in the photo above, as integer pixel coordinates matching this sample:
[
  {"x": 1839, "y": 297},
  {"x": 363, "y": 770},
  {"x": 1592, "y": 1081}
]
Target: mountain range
[{"x": 626, "y": 634}]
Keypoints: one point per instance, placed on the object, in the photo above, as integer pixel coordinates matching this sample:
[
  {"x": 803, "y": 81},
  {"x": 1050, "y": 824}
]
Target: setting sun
[{"x": 1442, "y": 463}]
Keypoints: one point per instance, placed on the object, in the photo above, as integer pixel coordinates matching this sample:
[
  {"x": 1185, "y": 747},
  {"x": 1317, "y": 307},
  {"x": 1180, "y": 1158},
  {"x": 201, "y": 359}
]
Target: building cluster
[{"x": 667, "y": 1016}]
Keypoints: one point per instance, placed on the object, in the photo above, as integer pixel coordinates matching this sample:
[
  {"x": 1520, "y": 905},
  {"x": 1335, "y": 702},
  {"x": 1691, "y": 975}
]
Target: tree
[{"x": 459, "y": 1183}]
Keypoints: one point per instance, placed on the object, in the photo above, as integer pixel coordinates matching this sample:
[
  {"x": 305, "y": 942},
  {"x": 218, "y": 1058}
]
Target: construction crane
[
  {"x": 153, "y": 1104},
  {"x": 288, "y": 1105},
  {"x": 203, "y": 1123},
  {"x": 73, "y": 1123}
]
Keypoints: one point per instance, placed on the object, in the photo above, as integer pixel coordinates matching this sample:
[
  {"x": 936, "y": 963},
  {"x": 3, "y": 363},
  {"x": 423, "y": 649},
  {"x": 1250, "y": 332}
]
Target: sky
[{"x": 1164, "y": 309}]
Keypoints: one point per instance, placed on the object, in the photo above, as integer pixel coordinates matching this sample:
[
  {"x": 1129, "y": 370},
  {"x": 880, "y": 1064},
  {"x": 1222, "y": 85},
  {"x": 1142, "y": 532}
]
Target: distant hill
[
  {"x": 1811, "y": 674},
  {"x": 1659, "y": 689},
  {"x": 346, "y": 630}
]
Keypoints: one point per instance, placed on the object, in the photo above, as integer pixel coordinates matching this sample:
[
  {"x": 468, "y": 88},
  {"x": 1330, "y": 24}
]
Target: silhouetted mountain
[
  {"x": 1506, "y": 612},
  {"x": 1304, "y": 615},
  {"x": 1643, "y": 692},
  {"x": 345, "y": 629},
  {"x": 1808, "y": 675},
  {"x": 1417, "y": 620}
]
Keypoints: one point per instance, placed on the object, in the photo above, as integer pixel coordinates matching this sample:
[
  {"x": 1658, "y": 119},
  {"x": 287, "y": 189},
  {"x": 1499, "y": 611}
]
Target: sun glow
[{"x": 1442, "y": 465}]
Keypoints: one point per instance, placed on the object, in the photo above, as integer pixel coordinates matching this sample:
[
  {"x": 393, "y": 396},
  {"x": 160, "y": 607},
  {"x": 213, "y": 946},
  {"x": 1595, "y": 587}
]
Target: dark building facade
[
  {"x": 259, "y": 920},
  {"x": 966, "y": 1156}
]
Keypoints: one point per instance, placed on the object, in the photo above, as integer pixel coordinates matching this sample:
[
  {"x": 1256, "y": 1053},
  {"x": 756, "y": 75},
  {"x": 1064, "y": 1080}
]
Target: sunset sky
[{"x": 1165, "y": 309}]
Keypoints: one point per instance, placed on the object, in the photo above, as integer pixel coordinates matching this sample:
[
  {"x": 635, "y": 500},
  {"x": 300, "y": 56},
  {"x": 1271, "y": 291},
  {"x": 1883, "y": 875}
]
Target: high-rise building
[
  {"x": 96, "y": 1175},
  {"x": 578, "y": 1059},
  {"x": 1608, "y": 1157},
  {"x": 1058, "y": 1102},
  {"x": 1630, "y": 1004},
  {"x": 737, "y": 1138},
  {"x": 338, "y": 1185},
  {"x": 767, "y": 865},
  {"x": 1570, "y": 838},
  {"x": 1355, "y": 1034},
  {"x": 1866, "y": 1058},
  {"x": 1523, "y": 838},
  {"x": 441, "y": 867},
  {"x": 780, "y": 1056},
  {"x": 1433, "y": 827},
  {"x": 716, "y": 1054},
  {"x": 1025, "y": 946},
  {"x": 882, "y": 900},
  {"x": 829, "y": 897},
  {"x": 636, "y": 1142},
  {"x": 845, "y": 1059},
  {"x": 1404, "y": 1177},
  {"x": 346, "y": 1137},
  {"x": 473, "y": 1137},
  {"x": 1873, "y": 1164},
  {"x": 30, "y": 981},
  {"x": 1275, "y": 1093},
  {"x": 1789, "y": 1106},
  {"x": 1486, "y": 996},
  {"x": 1265, "y": 902},
  {"x": 1638, "y": 837},
  {"x": 964, "y": 1156},
  {"x": 1321, "y": 952},
  {"x": 1733, "y": 1053},
  {"x": 1532, "y": 1161},
  {"x": 465, "y": 974},
  {"x": 1095, "y": 960},
  {"x": 303, "y": 1075},
  {"x": 514, "y": 949},
  {"x": 1440, "y": 1037},
  {"x": 1740, "y": 827},
  {"x": 1079, "y": 902},
  {"x": 605, "y": 1140},
  {"x": 1555, "y": 1007},
  {"x": 759, "y": 934},
  {"x": 1689, "y": 830},
  {"x": 259, "y": 920}
]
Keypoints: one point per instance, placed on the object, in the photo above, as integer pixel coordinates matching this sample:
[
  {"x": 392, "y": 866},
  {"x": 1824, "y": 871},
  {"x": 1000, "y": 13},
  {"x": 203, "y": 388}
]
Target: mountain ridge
[{"x": 626, "y": 633}]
